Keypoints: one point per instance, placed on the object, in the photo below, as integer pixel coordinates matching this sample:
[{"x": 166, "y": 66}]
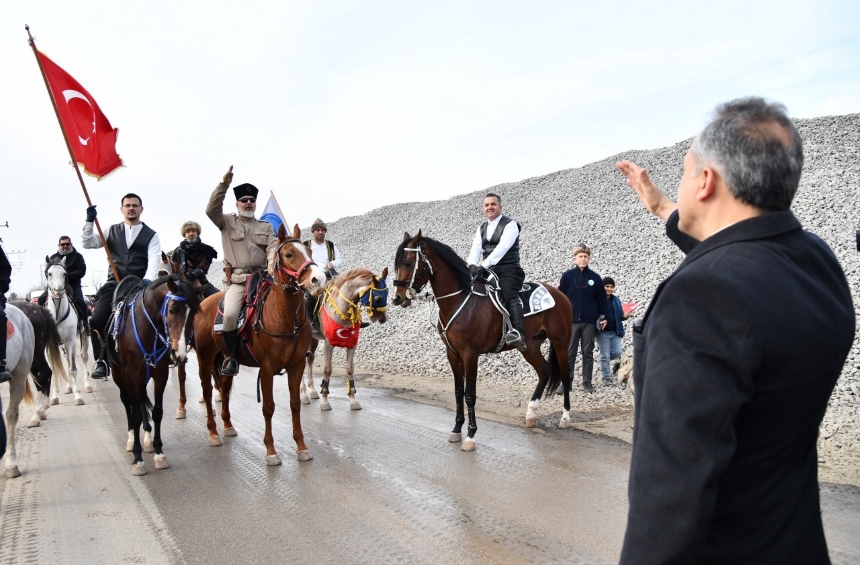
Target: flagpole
[
  {"x": 32, "y": 43},
  {"x": 278, "y": 206}
]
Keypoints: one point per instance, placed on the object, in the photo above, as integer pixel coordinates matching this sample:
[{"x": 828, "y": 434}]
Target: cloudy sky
[{"x": 340, "y": 107}]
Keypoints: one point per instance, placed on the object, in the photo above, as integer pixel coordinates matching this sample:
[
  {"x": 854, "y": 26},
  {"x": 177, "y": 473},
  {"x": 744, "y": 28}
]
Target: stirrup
[
  {"x": 515, "y": 338},
  {"x": 230, "y": 367}
]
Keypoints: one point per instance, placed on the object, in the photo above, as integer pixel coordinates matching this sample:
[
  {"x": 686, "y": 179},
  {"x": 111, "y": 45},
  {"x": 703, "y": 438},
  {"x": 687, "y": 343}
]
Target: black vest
[
  {"x": 512, "y": 257},
  {"x": 129, "y": 260}
]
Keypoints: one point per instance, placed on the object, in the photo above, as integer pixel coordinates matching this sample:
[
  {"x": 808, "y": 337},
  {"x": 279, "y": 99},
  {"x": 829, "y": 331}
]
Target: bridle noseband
[
  {"x": 292, "y": 276},
  {"x": 411, "y": 289}
]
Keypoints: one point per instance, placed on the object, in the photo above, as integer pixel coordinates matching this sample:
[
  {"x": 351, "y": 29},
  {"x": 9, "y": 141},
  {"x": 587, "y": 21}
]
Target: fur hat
[
  {"x": 190, "y": 225},
  {"x": 608, "y": 280},
  {"x": 244, "y": 190},
  {"x": 318, "y": 224},
  {"x": 581, "y": 248}
]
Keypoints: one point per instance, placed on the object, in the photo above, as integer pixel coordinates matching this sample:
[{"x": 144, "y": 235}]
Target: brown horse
[
  {"x": 279, "y": 339},
  {"x": 150, "y": 333},
  {"x": 345, "y": 297},
  {"x": 470, "y": 325}
]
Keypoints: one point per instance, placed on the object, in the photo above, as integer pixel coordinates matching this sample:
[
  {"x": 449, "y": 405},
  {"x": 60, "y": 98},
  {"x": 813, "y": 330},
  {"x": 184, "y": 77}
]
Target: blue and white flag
[{"x": 271, "y": 214}]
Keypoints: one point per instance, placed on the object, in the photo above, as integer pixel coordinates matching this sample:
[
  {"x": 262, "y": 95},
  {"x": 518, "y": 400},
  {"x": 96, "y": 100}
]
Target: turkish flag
[
  {"x": 337, "y": 335},
  {"x": 90, "y": 134}
]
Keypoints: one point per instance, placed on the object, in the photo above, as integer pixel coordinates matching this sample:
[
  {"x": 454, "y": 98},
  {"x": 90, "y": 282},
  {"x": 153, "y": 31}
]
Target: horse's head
[
  {"x": 179, "y": 304},
  {"x": 55, "y": 275},
  {"x": 170, "y": 266},
  {"x": 373, "y": 296},
  {"x": 294, "y": 265},
  {"x": 411, "y": 269}
]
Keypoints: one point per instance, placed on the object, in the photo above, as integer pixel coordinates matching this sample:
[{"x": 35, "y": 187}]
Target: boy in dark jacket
[{"x": 609, "y": 339}]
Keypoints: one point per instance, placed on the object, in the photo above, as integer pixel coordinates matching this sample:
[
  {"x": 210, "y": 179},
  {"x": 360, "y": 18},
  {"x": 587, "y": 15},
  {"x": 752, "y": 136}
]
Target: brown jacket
[{"x": 247, "y": 242}]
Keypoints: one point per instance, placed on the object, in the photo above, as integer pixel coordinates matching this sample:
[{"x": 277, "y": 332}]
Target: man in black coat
[
  {"x": 76, "y": 268},
  {"x": 195, "y": 257},
  {"x": 5, "y": 280},
  {"x": 736, "y": 357}
]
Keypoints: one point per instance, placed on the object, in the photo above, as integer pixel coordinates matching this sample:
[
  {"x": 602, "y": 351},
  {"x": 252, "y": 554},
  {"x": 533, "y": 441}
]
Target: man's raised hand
[
  {"x": 228, "y": 177},
  {"x": 654, "y": 201}
]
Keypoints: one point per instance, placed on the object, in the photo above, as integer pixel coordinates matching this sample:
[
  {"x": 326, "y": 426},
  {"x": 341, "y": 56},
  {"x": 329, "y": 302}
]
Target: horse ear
[
  {"x": 418, "y": 236},
  {"x": 282, "y": 233},
  {"x": 63, "y": 262},
  {"x": 164, "y": 258},
  {"x": 171, "y": 285},
  {"x": 47, "y": 260},
  {"x": 384, "y": 274},
  {"x": 406, "y": 236},
  {"x": 297, "y": 232}
]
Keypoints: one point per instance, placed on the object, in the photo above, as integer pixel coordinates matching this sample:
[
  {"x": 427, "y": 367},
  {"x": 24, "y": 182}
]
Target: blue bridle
[
  {"x": 375, "y": 297},
  {"x": 158, "y": 351}
]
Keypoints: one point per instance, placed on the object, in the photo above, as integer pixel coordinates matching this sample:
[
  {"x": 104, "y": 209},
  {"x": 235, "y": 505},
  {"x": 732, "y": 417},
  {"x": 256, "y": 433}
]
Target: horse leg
[
  {"x": 329, "y": 351},
  {"x": 85, "y": 360},
  {"x": 55, "y": 391},
  {"x": 294, "y": 377},
  {"x": 138, "y": 467},
  {"x": 17, "y": 386},
  {"x": 180, "y": 376},
  {"x": 157, "y": 414},
  {"x": 350, "y": 383},
  {"x": 266, "y": 376},
  {"x": 73, "y": 370},
  {"x": 205, "y": 366},
  {"x": 457, "y": 368},
  {"x": 148, "y": 442},
  {"x": 309, "y": 365},
  {"x": 226, "y": 387},
  {"x": 536, "y": 360},
  {"x": 470, "y": 363}
]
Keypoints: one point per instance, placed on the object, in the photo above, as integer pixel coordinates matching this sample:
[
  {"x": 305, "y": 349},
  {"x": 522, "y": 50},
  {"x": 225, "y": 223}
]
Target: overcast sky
[{"x": 343, "y": 107}]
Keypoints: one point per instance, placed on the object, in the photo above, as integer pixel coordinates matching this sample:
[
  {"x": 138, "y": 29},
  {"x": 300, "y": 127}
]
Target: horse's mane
[
  {"x": 183, "y": 289},
  {"x": 355, "y": 273},
  {"x": 447, "y": 255}
]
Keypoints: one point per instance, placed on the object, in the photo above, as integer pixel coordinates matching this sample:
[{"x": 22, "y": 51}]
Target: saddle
[
  {"x": 534, "y": 296},
  {"x": 257, "y": 286}
]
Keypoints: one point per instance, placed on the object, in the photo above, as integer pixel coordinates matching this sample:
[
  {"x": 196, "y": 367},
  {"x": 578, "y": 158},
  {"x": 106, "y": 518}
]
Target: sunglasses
[
  {"x": 248, "y": 200},
  {"x": 65, "y": 245}
]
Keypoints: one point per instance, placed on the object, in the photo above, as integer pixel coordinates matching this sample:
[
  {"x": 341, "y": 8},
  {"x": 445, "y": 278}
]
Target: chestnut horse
[
  {"x": 470, "y": 325},
  {"x": 279, "y": 339},
  {"x": 345, "y": 297},
  {"x": 150, "y": 333}
]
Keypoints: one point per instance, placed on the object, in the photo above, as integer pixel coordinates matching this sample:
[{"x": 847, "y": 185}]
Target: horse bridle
[
  {"x": 293, "y": 276},
  {"x": 411, "y": 290},
  {"x": 374, "y": 295}
]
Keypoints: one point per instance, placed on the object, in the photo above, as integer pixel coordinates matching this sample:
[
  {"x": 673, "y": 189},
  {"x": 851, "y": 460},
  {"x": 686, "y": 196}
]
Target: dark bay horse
[
  {"x": 150, "y": 333},
  {"x": 279, "y": 339},
  {"x": 470, "y": 325},
  {"x": 345, "y": 297}
]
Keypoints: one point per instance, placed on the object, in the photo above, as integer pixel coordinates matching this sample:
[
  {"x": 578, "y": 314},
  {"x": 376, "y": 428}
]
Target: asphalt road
[{"x": 385, "y": 486}]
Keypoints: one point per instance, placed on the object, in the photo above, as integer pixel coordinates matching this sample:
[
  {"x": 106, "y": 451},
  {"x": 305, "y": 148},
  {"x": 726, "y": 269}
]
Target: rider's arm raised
[{"x": 215, "y": 208}]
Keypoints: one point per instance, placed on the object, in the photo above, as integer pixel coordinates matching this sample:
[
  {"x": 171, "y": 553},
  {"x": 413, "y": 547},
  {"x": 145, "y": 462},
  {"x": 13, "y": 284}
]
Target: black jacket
[
  {"x": 76, "y": 267},
  {"x": 587, "y": 296},
  {"x": 5, "y": 272},
  {"x": 734, "y": 362}
]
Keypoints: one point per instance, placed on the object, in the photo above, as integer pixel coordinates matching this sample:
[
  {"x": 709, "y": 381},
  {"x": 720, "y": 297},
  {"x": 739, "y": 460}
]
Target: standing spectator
[
  {"x": 609, "y": 339},
  {"x": 76, "y": 268},
  {"x": 195, "y": 257},
  {"x": 324, "y": 252},
  {"x": 731, "y": 385},
  {"x": 584, "y": 288}
]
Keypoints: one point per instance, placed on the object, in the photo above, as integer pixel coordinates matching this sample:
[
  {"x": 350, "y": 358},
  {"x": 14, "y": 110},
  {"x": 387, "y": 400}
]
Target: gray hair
[{"x": 756, "y": 148}]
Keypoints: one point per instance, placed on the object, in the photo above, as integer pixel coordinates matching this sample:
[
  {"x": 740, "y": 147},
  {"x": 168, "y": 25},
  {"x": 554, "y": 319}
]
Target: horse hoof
[
  {"x": 79, "y": 402},
  {"x": 42, "y": 415},
  {"x": 12, "y": 472},
  {"x": 34, "y": 422},
  {"x": 230, "y": 432},
  {"x": 468, "y": 445},
  {"x": 161, "y": 461},
  {"x": 55, "y": 401},
  {"x": 304, "y": 455},
  {"x": 325, "y": 406},
  {"x": 88, "y": 388},
  {"x": 272, "y": 460},
  {"x": 564, "y": 424},
  {"x": 530, "y": 421},
  {"x": 148, "y": 447},
  {"x": 305, "y": 399},
  {"x": 354, "y": 405},
  {"x": 454, "y": 437},
  {"x": 68, "y": 389},
  {"x": 314, "y": 394},
  {"x": 201, "y": 399},
  {"x": 217, "y": 396},
  {"x": 214, "y": 441},
  {"x": 129, "y": 446},
  {"x": 138, "y": 469},
  {"x": 180, "y": 414}
]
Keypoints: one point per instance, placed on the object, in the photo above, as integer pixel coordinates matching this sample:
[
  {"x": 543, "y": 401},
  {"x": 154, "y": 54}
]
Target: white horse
[
  {"x": 20, "y": 347},
  {"x": 72, "y": 331},
  {"x": 345, "y": 298}
]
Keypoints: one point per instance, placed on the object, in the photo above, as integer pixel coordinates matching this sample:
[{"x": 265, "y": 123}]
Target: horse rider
[
  {"x": 195, "y": 257},
  {"x": 497, "y": 244},
  {"x": 76, "y": 268},
  {"x": 323, "y": 252},
  {"x": 135, "y": 250},
  {"x": 249, "y": 246},
  {"x": 5, "y": 280}
]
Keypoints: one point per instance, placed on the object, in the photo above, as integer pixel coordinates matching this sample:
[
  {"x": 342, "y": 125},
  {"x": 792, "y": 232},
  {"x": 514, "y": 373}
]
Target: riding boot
[
  {"x": 230, "y": 367},
  {"x": 310, "y": 307},
  {"x": 5, "y": 375},
  {"x": 100, "y": 369},
  {"x": 516, "y": 336}
]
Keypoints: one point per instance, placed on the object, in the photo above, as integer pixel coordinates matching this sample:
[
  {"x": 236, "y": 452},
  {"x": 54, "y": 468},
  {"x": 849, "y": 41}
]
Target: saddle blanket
[
  {"x": 536, "y": 298},
  {"x": 10, "y": 329},
  {"x": 218, "y": 328},
  {"x": 337, "y": 335}
]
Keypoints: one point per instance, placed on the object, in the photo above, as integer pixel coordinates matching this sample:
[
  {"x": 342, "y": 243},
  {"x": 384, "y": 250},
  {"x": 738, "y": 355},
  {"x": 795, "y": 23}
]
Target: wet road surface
[{"x": 385, "y": 486}]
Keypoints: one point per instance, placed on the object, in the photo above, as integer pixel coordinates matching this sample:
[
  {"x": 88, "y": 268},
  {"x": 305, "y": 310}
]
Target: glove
[
  {"x": 91, "y": 213},
  {"x": 228, "y": 178},
  {"x": 197, "y": 274},
  {"x": 478, "y": 272}
]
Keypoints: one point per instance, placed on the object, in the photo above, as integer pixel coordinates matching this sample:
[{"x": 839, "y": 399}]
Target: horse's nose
[{"x": 396, "y": 300}]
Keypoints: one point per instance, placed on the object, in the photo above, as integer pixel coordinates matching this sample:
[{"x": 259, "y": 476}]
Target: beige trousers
[{"x": 232, "y": 305}]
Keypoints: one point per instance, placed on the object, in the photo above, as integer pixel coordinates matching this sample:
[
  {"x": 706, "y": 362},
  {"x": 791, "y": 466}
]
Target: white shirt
[
  {"x": 90, "y": 240},
  {"x": 319, "y": 253},
  {"x": 509, "y": 236}
]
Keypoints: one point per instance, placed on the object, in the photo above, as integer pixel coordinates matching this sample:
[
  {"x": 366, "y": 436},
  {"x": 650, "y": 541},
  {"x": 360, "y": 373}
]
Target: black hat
[
  {"x": 608, "y": 280},
  {"x": 244, "y": 190}
]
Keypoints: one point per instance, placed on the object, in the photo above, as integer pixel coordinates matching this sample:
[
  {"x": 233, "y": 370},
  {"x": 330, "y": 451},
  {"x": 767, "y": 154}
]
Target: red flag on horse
[
  {"x": 92, "y": 139},
  {"x": 337, "y": 335}
]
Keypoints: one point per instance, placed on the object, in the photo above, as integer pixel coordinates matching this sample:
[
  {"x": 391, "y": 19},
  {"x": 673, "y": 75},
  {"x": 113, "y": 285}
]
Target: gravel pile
[{"x": 593, "y": 204}]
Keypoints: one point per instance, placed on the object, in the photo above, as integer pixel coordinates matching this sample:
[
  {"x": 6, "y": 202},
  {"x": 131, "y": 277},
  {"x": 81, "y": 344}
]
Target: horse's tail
[
  {"x": 53, "y": 341},
  {"x": 556, "y": 373},
  {"x": 29, "y": 399}
]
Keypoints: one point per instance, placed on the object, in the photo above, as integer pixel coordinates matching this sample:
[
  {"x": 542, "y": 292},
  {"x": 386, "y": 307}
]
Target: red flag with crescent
[
  {"x": 90, "y": 134},
  {"x": 337, "y": 335}
]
